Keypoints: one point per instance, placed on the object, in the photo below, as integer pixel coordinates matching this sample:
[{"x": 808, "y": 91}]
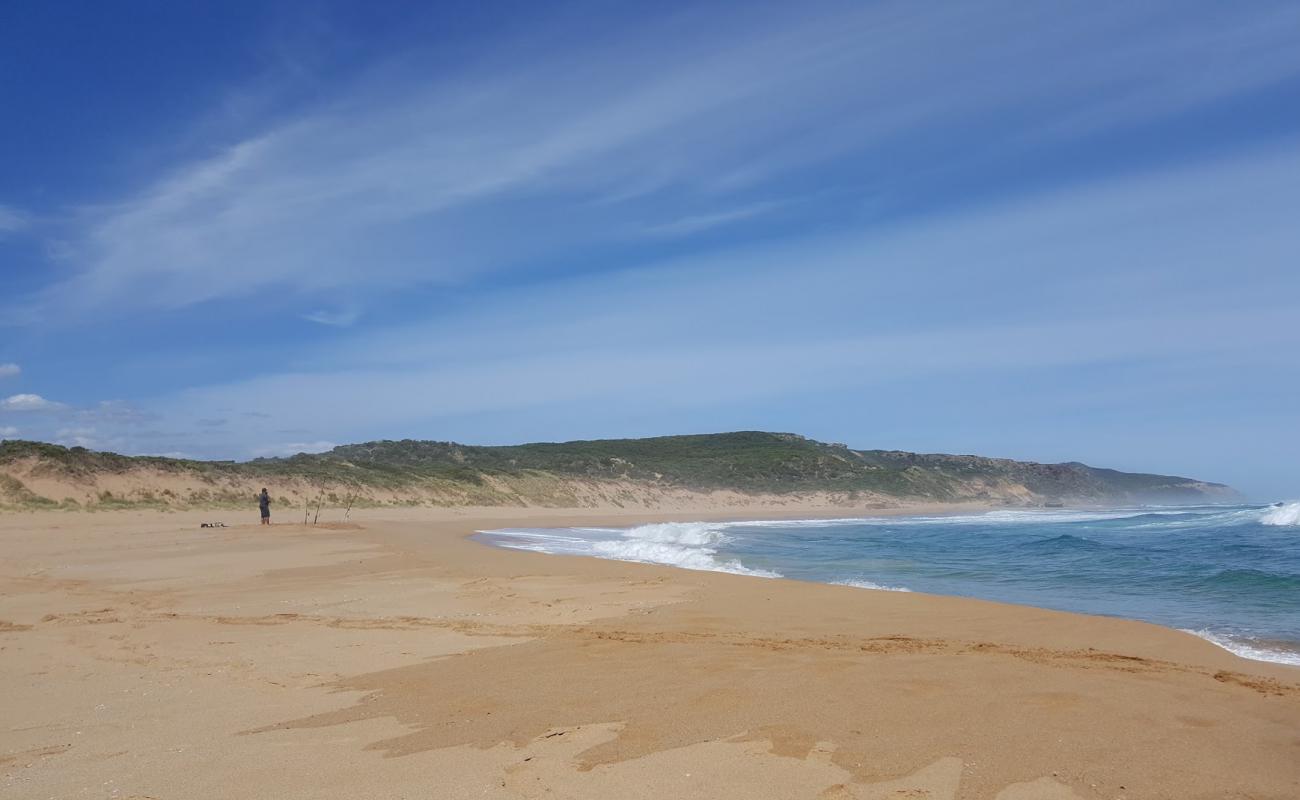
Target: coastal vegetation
[{"x": 649, "y": 472}]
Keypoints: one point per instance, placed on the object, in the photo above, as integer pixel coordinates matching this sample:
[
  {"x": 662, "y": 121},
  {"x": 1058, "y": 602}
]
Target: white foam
[
  {"x": 1248, "y": 649},
  {"x": 861, "y": 584},
  {"x": 701, "y": 558},
  {"x": 999, "y": 517},
  {"x": 1038, "y": 516},
  {"x": 693, "y": 534},
  {"x": 797, "y": 523},
  {"x": 1018, "y": 516},
  {"x": 1285, "y": 514},
  {"x": 689, "y": 545}
]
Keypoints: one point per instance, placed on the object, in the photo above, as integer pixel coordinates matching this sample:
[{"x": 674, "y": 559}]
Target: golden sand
[{"x": 142, "y": 656}]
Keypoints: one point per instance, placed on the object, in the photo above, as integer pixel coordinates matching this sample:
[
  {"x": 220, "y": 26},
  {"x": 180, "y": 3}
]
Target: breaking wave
[
  {"x": 1285, "y": 514},
  {"x": 692, "y": 545},
  {"x": 1229, "y": 573},
  {"x": 689, "y": 545}
]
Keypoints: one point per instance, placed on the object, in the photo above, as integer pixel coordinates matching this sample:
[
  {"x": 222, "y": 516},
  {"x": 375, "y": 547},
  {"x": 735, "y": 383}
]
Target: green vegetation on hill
[
  {"x": 746, "y": 461},
  {"x": 759, "y": 462},
  {"x": 750, "y": 462}
]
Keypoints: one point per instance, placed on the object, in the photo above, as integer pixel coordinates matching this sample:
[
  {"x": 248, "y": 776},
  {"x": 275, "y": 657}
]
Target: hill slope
[{"x": 658, "y": 472}]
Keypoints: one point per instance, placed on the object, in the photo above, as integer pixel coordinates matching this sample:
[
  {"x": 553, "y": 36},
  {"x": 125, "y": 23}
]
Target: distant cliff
[{"x": 660, "y": 472}]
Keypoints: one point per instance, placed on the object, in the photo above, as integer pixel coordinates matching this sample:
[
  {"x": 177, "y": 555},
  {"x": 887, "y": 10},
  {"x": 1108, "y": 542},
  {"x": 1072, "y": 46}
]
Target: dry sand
[{"x": 144, "y": 657}]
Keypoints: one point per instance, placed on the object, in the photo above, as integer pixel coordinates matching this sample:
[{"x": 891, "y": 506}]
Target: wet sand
[{"x": 143, "y": 656}]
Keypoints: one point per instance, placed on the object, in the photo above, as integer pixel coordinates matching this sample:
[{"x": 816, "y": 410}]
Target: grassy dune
[{"x": 621, "y": 472}]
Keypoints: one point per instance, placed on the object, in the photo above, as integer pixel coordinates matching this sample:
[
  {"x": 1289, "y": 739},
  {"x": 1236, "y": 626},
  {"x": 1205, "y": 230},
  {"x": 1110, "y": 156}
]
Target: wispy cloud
[
  {"x": 292, "y": 449},
  {"x": 111, "y": 424},
  {"x": 13, "y": 221},
  {"x": 338, "y": 319},
  {"x": 685, "y": 226},
  {"x": 116, "y": 412},
  {"x": 8, "y": 432},
  {"x": 28, "y": 402},
  {"x": 80, "y": 437},
  {"x": 404, "y": 181},
  {"x": 93, "y": 437},
  {"x": 9, "y": 370},
  {"x": 903, "y": 214},
  {"x": 948, "y": 299}
]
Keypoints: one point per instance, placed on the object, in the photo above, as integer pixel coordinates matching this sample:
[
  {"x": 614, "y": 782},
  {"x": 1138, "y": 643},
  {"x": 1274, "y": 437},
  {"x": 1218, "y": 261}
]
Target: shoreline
[
  {"x": 1285, "y": 653},
  {"x": 392, "y": 655}
]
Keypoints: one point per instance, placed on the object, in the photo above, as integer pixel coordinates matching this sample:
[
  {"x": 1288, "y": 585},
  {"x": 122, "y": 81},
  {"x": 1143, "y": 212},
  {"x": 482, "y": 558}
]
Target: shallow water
[{"x": 1230, "y": 574}]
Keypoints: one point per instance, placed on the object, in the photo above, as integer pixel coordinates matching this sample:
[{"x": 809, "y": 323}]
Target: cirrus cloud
[
  {"x": 402, "y": 183},
  {"x": 13, "y": 221}
]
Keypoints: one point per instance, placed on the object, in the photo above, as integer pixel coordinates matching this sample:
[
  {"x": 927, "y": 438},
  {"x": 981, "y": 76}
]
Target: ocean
[{"x": 1230, "y": 574}]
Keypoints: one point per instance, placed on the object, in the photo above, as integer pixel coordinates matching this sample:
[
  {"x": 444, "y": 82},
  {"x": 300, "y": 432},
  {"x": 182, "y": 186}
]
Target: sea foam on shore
[{"x": 689, "y": 545}]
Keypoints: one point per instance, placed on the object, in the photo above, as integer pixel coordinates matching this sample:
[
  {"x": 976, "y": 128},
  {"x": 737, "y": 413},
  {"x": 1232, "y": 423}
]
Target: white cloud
[
  {"x": 117, "y": 412},
  {"x": 13, "y": 221},
  {"x": 338, "y": 319},
  {"x": 9, "y": 370},
  {"x": 80, "y": 436},
  {"x": 403, "y": 180},
  {"x": 28, "y": 402},
  {"x": 108, "y": 425},
  {"x": 1124, "y": 270},
  {"x": 90, "y": 438},
  {"x": 676, "y": 375},
  {"x": 292, "y": 449},
  {"x": 1127, "y": 269},
  {"x": 8, "y": 432},
  {"x": 399, "y": 182}
]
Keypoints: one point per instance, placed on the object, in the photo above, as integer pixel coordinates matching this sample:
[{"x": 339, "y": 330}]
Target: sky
[{"x": 1053, "y": 232}]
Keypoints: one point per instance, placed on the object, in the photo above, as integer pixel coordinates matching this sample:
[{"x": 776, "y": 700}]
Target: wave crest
[
  {"x": 1285, "y": 514},
  {"x": 1255, "y": 580},
  {"x": 1066, "y": 541},
  {"x": 690, "y": 534},
  {"x": 689, "y": 545},
  {"x": 692, "y": 545}
]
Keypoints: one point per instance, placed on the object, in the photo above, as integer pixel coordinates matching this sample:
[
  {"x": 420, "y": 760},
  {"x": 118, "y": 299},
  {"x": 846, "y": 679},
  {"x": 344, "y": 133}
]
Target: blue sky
[{"x": 1054, "y": 232}]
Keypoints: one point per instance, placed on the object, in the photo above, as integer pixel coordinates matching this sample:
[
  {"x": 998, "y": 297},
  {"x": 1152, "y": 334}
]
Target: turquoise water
[{"x": 1230, "y": 574}]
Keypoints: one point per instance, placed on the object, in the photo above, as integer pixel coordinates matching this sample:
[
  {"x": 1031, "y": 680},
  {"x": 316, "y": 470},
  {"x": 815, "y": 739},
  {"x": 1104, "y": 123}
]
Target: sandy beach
[{"x": 142, "y": 656}]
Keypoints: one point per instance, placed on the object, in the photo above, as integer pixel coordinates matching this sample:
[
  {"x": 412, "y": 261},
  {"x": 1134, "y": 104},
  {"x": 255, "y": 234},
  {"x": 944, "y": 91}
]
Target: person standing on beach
[{"x": 264, "y": 503}]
